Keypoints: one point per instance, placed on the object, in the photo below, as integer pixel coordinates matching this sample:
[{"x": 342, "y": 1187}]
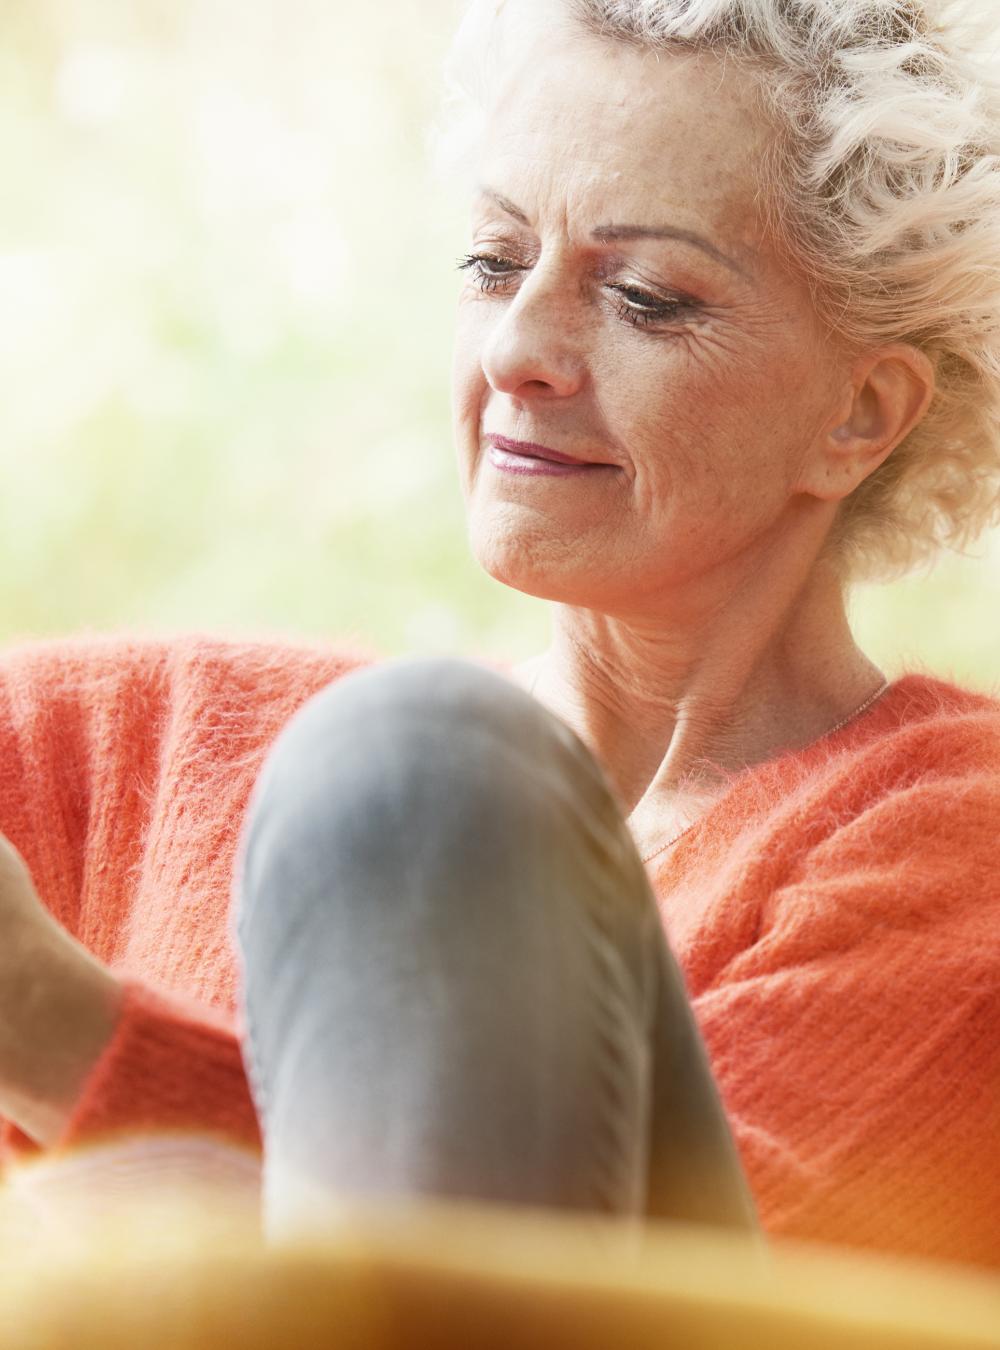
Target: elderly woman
[{"x": 728, "y": 340}]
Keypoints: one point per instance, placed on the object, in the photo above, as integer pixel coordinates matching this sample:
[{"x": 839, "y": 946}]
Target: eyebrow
[{"x": 608, "y": 234}]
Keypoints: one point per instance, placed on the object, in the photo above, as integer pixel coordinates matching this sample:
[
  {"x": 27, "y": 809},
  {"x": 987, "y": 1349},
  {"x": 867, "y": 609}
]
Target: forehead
[{"x": 590, "y": 124}]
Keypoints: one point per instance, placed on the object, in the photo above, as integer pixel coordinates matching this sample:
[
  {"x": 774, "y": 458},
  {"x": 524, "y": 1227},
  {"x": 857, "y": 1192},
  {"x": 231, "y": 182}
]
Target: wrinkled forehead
[{"x": 607, "y": 126}]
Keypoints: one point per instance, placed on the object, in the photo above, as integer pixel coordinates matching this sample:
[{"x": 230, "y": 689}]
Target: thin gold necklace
[{"x": 862, "y": 707}]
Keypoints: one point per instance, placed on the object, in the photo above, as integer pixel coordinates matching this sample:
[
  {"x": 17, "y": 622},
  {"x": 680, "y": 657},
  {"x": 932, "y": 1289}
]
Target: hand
[{"x": 58, "y": 1007}]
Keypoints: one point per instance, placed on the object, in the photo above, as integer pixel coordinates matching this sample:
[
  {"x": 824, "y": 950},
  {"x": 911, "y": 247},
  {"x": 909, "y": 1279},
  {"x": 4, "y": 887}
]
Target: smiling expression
[{"x": 621, "y": 304}]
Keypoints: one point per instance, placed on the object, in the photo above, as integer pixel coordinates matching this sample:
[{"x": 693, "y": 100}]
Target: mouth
[{"x": 531, "y": 450}]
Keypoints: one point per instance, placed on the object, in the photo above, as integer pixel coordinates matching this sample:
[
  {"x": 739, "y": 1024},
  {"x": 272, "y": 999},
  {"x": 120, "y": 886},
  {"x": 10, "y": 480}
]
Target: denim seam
[{"x": 612, "y": 1133}]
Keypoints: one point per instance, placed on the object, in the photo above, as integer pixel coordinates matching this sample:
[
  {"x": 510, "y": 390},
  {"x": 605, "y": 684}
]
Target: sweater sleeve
[
  {"x": 857, "y": 1040},
  {"x": 172, "y": 1065},
  {"x": 81, "y": 722}
]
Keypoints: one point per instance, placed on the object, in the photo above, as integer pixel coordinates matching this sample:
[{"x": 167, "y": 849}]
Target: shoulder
[
  {"x": 893, "y": 817},
  {"x": 230, "y": 698},
  {"x": 75, "y": 706},
  {"x": 94, "y": 667},
  {"x": 927, "y": 745},
  {"x": 254, "y": 671},
  {"x": 898, "y": 830},
  {"x": 925, "y": 737},
  {"x": 929, "y": 724},
  {"x": 925, "y": 708},
  {"x": 933, "y": 757}
]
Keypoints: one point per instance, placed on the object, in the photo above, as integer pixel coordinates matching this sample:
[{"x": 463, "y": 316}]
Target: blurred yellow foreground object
[{"x": 188, "y": 1271}]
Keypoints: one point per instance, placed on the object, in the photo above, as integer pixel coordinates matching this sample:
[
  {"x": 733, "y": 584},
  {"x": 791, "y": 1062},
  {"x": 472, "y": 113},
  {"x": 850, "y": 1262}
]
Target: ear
[{"x": 890, "y": 390}]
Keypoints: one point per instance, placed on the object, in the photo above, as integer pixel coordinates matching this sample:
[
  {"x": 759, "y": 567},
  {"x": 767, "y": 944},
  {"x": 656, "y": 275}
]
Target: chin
[
  {"x": 526, "y": 564},
  {"x": 505, "y": 556}
]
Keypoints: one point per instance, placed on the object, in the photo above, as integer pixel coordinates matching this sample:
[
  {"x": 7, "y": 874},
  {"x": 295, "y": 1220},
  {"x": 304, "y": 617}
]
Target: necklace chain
[{"x": 862, "y": 707}]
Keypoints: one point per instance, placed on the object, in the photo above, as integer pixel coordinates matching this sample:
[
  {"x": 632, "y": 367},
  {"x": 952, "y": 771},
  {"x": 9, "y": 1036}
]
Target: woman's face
[{"x": 689, "y": 364}]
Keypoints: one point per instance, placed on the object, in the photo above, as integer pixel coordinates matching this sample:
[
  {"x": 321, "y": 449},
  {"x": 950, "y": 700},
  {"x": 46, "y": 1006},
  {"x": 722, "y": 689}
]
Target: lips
[{"x": 531, "y": 450}]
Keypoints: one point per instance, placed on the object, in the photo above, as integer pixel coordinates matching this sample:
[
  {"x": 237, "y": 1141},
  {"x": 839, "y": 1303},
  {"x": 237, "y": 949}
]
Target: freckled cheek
[
  {"x": 662, "y": 415},
  {"x": 693, "y": 440}
]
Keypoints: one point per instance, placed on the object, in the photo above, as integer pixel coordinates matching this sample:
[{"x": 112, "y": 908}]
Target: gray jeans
[{"x": 455, "y": 982}]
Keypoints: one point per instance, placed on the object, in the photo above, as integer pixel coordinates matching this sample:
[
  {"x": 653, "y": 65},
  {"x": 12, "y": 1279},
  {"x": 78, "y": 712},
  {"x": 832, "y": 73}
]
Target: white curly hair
[{"x": 883, "y": 184}]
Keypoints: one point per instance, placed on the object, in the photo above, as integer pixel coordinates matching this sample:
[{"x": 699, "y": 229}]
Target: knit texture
[{"x": 835, "y": 914}]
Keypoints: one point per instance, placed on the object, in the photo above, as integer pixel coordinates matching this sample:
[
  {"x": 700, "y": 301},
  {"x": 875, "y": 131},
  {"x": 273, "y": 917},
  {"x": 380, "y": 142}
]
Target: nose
[{"x": 534, "y": 348}]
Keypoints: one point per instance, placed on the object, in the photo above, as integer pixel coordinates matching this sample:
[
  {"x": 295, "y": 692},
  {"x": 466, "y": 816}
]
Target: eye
[
  {"x": 483, "y": 267},
  {"x": 646, "y": 309},
  {"x": 636, "y": 306}
]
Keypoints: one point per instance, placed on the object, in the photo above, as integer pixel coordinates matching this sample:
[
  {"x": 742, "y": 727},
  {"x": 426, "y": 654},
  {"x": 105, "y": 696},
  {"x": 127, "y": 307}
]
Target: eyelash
[{"x": 660, "y": 311}]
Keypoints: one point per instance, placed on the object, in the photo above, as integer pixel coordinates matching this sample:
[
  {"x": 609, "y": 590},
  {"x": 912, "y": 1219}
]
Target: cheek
[
  {"x": 712, "y": 427},
  {"x": 674, "y": 418},
  {"x": 467, "y": 379}
]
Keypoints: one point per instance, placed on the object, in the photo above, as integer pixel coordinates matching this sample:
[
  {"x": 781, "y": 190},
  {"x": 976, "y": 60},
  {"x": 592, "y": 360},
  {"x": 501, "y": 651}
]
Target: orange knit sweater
[{"x": 836, "y": 914}]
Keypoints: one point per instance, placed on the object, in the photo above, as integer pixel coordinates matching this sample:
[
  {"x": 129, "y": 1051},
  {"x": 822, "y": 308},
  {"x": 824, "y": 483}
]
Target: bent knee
[
  {"x": 390, "y": 723},
  {"x": 380, "y": 752},
  {"x": 403, "y": 692}
]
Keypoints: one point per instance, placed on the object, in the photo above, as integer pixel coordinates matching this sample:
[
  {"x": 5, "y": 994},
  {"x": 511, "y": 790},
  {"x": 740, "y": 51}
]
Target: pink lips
[
  {"x": 526, "y": 457},
  {"x": 531, "y": 449}
]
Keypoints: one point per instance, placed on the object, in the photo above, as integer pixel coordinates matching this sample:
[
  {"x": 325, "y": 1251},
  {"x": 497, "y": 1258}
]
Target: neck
[{"x": 670, "y": 703}]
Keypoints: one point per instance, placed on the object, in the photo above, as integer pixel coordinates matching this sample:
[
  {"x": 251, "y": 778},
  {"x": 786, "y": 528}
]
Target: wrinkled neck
[{"x": 671, "y": 707}]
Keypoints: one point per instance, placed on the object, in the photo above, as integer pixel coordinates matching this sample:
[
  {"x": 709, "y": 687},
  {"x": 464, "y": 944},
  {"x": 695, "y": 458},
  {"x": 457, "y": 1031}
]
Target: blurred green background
[{"x": 226, "y": 294}]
